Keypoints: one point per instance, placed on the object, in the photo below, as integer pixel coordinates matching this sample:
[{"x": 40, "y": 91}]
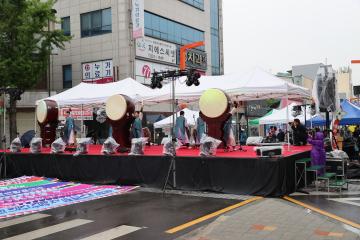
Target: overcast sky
[{"x": 277, "y": 34}]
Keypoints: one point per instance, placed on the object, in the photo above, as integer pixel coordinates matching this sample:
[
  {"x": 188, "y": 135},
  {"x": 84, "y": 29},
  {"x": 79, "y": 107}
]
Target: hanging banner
[
  {"x": 144, "y": 70},
  {"x": 324, "y": 89},
  {"x": 87, "y": 113},
  {"x": 98, "y": 72},
  {"x": 154, "y": 49},
  {"x": 138, "y": 18}
]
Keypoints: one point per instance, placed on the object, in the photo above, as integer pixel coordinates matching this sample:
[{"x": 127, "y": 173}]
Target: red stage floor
[{"x": 157, "y": 151}]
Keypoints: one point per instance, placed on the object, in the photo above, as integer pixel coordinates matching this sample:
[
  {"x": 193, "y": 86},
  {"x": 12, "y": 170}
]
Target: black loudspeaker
[
  {"x": 356, "y": 90},
  {"x": 268, "y": 151}
]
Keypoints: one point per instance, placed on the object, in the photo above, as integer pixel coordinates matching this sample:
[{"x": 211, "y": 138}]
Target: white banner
[
  {"x": 145, "y": 69},
  {"x": 138, "y": 18},
  {"x": 101, "y": 71},
  {"x": 156, "y": 50}
]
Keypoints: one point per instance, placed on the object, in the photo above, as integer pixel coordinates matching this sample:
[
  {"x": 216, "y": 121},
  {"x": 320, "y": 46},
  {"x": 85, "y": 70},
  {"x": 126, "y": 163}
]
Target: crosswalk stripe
[
  {"x": 25, "y": 219},
  {"x": 113, "y": 233},
  {"x": 50, "y": 230}
]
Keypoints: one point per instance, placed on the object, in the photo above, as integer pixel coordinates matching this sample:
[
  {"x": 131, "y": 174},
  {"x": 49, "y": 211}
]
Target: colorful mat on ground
[{"x": 31, "y": 194}]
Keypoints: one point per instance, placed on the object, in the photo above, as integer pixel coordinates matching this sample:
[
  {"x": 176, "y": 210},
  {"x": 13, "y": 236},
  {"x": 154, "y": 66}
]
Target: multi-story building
[{"x": 103, "y": 47}]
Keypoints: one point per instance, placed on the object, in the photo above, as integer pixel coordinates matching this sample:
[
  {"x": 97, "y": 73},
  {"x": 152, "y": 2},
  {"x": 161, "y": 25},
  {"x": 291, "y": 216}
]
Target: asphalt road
[{"x": 136, "y": 215}]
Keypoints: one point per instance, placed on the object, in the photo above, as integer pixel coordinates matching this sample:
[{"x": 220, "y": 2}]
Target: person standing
[
  {"x": 200, "y": 129},
  {"x": 180, "y": 129},
  {"x": 136, "y": 127},
  {"x": 69, "y": 129},
  {"x": 228, "y": 137},
  {"x": 299, "y": 133},
  {"x": 280, "y": 136},
  {"x": 318, "y": 155}
]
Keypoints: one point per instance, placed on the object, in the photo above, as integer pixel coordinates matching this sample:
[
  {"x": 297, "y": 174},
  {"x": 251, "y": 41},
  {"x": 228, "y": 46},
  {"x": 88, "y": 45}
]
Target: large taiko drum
[
  {"x": 214, "y": 107},
  {"x": 119, "y": 110},
  {"x": 47, "y": 113}
]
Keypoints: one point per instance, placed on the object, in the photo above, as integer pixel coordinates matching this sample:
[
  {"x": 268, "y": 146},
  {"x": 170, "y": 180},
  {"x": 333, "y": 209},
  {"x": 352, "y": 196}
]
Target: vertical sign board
[
  {"x": 98, "y": 72},
  {"x": 138, "y": 18}
]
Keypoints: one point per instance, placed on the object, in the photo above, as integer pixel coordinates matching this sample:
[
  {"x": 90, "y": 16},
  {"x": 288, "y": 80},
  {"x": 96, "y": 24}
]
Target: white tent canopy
[
  {"x": 279, "y": 116},
  {"x": 190, "y": 116},
  {"x": 97, "y": 94},
  {"x": 254, "y": 85}
]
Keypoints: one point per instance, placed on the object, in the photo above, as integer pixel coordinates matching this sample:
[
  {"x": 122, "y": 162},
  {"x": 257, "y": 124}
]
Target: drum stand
[{"x": 172, "y": 167}]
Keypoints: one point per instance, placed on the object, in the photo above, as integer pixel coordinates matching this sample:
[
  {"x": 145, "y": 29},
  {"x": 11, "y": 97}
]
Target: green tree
[{"x": 25, "y": 46}]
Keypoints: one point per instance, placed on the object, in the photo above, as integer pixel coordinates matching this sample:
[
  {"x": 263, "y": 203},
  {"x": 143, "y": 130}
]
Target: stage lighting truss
[{"x": 192, "y": 77}]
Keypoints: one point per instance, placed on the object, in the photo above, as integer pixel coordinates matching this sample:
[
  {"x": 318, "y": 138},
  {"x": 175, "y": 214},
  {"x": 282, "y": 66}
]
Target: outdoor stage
[{"x": 228, "y": 172}]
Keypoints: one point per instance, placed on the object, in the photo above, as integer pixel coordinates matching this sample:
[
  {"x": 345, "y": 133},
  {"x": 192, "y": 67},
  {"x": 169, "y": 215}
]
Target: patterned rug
[{"x": 29, "y": 194}]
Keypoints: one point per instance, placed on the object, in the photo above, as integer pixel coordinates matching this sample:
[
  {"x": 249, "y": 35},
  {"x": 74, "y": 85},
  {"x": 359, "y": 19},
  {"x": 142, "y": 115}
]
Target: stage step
[
  {"x": 303, "y": 160},
  {"x": 326, "y": 176},
  {"x": 314, "y": 168}
]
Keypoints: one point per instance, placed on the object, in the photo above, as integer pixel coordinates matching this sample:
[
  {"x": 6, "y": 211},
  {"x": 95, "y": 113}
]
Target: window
[
  {"x": 65, "y": 25},
  {"x": 67, "y": 76},
  {"x": 165, "y": 29},
  {"x": 195, "y": 3},
  {"x": 96, "y": 23},
  {"x": 215, "y": 41}
]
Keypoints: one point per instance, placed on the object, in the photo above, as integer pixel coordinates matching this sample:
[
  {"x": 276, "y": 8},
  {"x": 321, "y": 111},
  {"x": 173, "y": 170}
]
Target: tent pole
[
  {"x": 287, "y": 116},
  {"x": 82, "y": 120}
]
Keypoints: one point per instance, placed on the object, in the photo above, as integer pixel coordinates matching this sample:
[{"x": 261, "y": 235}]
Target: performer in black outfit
[{"x": 299, "y": 133}]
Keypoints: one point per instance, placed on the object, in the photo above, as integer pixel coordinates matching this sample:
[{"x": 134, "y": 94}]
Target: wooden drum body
[
  {"x": 47, "y": 114},
  {"x": 119, "y": 110},
  {"x": 214, "y": 107}
]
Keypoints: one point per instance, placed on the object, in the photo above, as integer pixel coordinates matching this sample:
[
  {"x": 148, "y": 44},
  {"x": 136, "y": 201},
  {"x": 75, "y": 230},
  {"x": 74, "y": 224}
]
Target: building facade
[{"x": 103, "y": 48}]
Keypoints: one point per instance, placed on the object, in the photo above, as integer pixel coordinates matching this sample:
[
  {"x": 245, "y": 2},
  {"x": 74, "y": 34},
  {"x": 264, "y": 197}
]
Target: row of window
[
  {"x": 67, "y": 76},
  {"x": 92, "y": 23},
  {"x": 168, "y": 30},
  {"x": 215, "y": 41},
  {"x": 196, "y": 3}
]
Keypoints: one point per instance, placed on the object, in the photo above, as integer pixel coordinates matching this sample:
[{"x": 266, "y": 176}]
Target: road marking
[
  {"x": 113, "y": 233},
  {"x": 330, "y": 215},
  {"x": 50, "y": 230},
  {"x": 352, "y": 229},
  {"x": 211, "y": 215},
  {"x": 347, "y": 201},
  {"x": 25, "y": 219}
]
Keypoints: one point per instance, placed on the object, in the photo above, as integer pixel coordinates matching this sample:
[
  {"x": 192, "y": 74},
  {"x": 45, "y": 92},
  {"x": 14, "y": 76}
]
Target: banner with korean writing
[
  {"x": 144, "y": 70},
  {"x": 87, "y": 113},
  {"x": 138, "y": 18},
  {"x": 156, "y": 50},
  {"x": 98, "y": 72},
  {"x": 195, "y": 59}
]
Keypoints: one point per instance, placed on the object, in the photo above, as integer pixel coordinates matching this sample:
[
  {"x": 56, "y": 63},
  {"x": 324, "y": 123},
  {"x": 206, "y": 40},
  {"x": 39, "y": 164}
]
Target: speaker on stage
[
  {"x": 269, "y": 151},
  {"x": 254, "y": 141}
]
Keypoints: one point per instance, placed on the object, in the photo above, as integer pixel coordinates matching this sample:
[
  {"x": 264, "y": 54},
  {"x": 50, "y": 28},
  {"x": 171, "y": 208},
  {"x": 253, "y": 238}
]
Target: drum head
[
  {"x": 41, "y": 111},
  {"x": 116, "y": 107},
  {"x": 213, "y": 103}
]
